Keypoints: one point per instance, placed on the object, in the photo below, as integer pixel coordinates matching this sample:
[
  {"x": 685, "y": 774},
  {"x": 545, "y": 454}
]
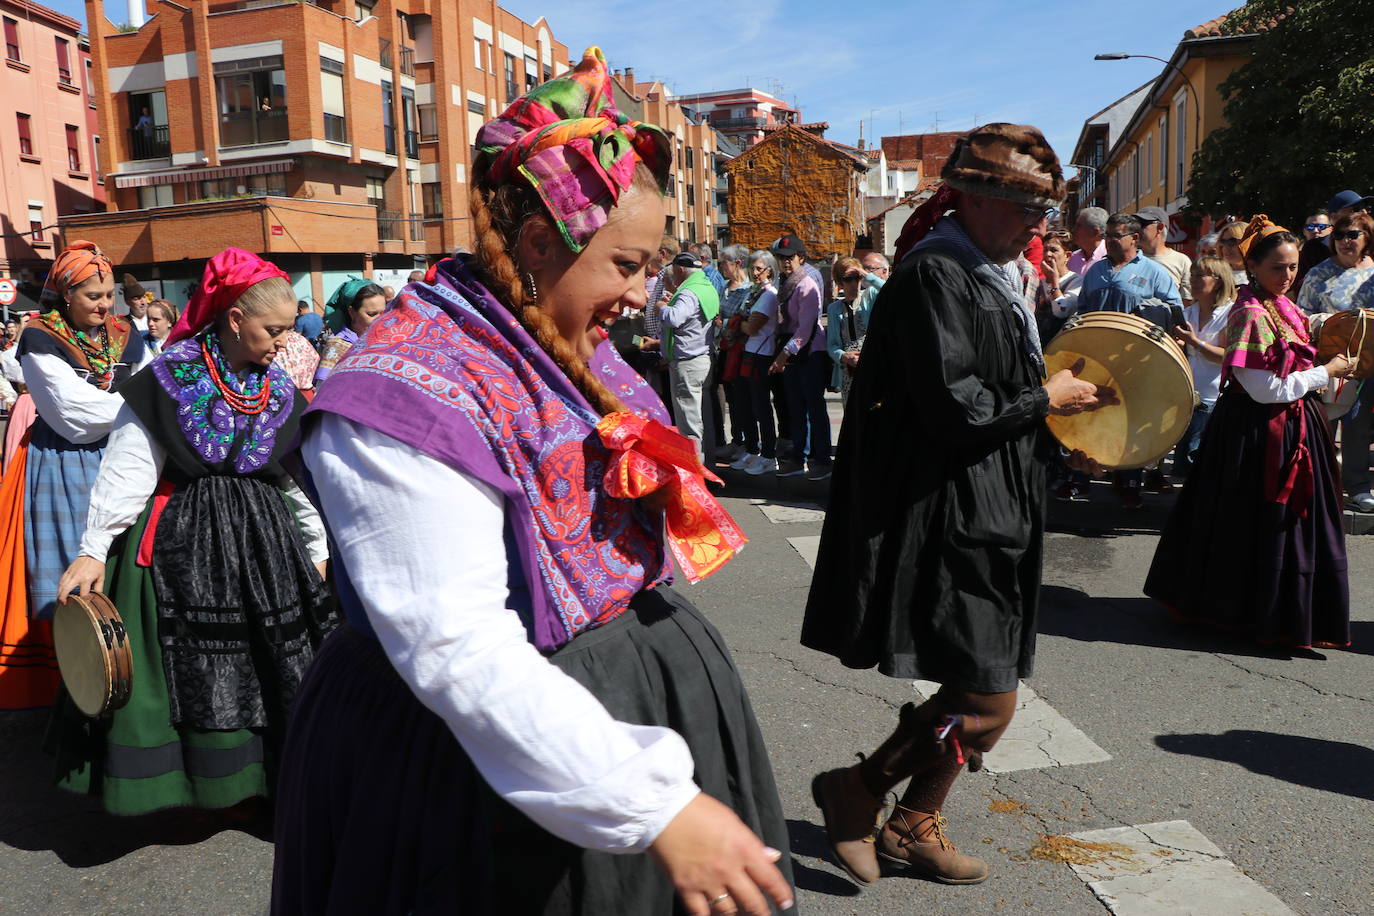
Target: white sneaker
[
  {"x": 742, "y": 462},
  {"x": 760, "y": 465}
]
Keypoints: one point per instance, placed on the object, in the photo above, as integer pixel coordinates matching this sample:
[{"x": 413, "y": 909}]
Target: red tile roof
[{"x": 1215, "y": 28}]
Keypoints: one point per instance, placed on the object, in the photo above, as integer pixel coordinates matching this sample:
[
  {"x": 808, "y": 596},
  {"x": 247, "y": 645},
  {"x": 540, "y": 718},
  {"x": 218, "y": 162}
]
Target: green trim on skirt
[{"x": 136, "y": 760}]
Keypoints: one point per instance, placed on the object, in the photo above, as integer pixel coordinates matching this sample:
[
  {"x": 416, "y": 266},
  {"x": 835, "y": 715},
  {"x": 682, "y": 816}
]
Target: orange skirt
[{"x": 28, "y": 665}]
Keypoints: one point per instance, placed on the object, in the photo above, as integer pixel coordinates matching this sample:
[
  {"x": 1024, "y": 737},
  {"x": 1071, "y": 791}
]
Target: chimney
[{"x": 630, "y": 76}]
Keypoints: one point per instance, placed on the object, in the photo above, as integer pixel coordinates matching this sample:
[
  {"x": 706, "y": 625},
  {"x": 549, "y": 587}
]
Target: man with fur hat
[
  {"x": 929, "y": 562},
  {"x": 137, "y": 299}
]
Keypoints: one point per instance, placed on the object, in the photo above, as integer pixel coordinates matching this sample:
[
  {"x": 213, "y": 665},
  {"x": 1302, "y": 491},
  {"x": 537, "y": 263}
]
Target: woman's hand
[
  {"x": 1185, "y": 334},
  {"x": 85, "y": 575},
  {"x": 778, "y": 364},
  {"x": 707, "y": 851},
  {"x": 849, "y": 360},
  {"x": 1078, "y": 460},
  {"x": 1340, "y": 365}
]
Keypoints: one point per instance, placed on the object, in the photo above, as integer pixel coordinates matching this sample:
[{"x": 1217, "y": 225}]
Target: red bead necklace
[{"x": 244, "y": 405}]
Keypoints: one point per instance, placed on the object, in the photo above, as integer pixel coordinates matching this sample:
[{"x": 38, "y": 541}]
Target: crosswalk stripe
[
  {"x": 1038, "y": 736},
  {"x": 1168, "y": 869},
  {"x": 807, "y": 547},
  {"x": 789, "y": 513}
]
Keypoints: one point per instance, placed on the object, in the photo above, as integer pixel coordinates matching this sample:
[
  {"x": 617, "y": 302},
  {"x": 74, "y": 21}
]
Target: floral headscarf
[
  {"x": 568, "y": 142},
  {"x": 226, "y": 277},
  {"x": 77, "y": 263}
]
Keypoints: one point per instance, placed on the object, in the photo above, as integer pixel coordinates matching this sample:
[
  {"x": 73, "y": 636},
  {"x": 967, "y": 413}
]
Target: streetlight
[{"x": 1197, "y": 105}]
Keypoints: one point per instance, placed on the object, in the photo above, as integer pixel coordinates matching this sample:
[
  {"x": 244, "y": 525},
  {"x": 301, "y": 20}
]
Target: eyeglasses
[
  {"x": 852, "y": 278},
  {"x": 1347, "y": 235},
  {"x": 1119, "y": 235},
  {"x": 1317, "y": 227},
  {"x": 1036, "y": 214},
  {"x": 759, "y": 267},
  {"x": 1230, "y": 243}
]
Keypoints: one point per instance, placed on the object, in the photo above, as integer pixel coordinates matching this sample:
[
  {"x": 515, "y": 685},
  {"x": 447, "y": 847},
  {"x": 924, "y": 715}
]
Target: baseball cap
[
  {"x": 1348, "y": 199},
  {"x": 687, "y": 259},
  {"x": 1152, "y": 215},
  {"x": 787, "y": 246}
]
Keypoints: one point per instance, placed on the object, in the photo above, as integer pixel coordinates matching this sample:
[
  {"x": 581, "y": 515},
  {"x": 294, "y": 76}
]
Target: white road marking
[
  {"x": 786, "y": 513},
  {"x": 1172, "y": 870},
  {"x": 1038, "y": 736},
  {"x": 807, "y": 547}
]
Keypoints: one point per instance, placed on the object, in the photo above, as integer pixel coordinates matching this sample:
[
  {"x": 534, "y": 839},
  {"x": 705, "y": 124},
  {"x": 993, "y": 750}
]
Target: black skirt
[
  {"x": 1232, "y": 557},
  {"x": 380, "y": 811}
]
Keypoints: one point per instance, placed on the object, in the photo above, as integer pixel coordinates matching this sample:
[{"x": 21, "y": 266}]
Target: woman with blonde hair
[
  {"x": 215, "y": 559},
  {"x": 545, "y": 725},
  {"x": 1202, "y": 336},
  {"x": 847, "y": 320},
  {"x": 1228, "y": 244}
]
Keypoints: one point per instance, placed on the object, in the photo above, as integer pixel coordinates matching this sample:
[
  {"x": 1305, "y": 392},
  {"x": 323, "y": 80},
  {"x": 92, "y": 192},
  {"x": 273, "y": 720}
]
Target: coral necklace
[{"x": 250, "y": 406}]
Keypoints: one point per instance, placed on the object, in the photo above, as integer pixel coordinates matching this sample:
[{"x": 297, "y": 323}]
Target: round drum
[
  {"x": 1150, "y": 375},
  {"x": 1348, "y": 333},
  {"x": 92, "y": 653}
]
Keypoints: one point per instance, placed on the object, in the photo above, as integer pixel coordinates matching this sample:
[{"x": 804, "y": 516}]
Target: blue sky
[{"x": 902, "y": 65}]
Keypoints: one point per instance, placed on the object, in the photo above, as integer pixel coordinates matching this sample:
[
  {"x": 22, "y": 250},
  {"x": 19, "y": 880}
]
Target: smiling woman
[{"x": 520, "y": 710}]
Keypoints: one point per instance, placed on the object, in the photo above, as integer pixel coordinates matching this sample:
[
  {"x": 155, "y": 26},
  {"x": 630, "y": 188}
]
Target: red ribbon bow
[{"x": 648, "y": 457}]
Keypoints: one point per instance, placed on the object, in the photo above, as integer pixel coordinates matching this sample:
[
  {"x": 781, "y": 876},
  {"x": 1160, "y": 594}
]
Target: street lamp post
[{"x": 1197, "y": 104}]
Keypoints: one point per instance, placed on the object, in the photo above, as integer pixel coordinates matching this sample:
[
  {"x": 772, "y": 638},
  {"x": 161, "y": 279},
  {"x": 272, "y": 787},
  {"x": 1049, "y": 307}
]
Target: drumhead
[
  {"x": 81, "y": 656},
  {"x": 1151, "y": 379}
]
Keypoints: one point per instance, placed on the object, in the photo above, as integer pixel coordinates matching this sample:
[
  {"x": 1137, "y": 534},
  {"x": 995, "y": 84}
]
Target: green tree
[{"x": 1300, "y": 113}]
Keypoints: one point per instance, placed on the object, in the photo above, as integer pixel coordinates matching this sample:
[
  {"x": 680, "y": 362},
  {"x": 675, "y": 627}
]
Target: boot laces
[{"x": 906, "y": 836}]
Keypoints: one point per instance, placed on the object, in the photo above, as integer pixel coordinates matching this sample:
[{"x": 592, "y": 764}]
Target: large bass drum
[
  {"x": 1150, "y": 375},
  {"x": 93, "y": 653}
]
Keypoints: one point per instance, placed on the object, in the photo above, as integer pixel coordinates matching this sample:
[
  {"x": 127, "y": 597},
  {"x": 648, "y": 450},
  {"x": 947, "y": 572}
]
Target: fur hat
[
  {"x": 1007, "y": 161},
  {"x": 133, "y": 290}
]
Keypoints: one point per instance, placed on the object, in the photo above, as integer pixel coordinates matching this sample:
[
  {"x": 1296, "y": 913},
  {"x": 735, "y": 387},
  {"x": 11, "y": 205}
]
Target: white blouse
[
  {"x": 77, "y": 411},
  {"x": 1267, "y": 388},
  {"x": 129, "y": 472},
  {"x": 428, "y": 562}
]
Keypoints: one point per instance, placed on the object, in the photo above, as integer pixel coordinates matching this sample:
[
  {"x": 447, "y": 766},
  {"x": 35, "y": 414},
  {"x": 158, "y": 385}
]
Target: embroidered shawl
[
  {"x": 1271, "y": 334},
  {"x": 449, "y": 371}
]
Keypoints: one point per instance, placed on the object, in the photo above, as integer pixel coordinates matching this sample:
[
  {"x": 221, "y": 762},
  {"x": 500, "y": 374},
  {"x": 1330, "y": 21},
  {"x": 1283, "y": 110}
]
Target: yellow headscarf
[{"x": 1260, "y": 227}]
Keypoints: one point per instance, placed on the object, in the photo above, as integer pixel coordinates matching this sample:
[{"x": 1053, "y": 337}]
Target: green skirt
[{"x": 135, "y": 759}]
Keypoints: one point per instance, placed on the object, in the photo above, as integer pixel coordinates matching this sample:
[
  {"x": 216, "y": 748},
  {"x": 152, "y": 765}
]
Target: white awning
[{"x": 145, "y": 179}]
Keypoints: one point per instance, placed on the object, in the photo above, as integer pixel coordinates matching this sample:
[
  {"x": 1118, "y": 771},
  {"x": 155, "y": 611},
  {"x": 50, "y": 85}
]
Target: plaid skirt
[{"x": 60, "y": 477}]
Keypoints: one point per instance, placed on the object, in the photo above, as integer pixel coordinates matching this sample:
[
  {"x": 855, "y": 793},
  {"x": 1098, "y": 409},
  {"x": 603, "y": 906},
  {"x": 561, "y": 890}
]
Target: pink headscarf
[{"x": 226, "y": 277}]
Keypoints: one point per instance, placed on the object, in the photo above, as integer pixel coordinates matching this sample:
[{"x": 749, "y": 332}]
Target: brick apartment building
[
  {"x": 333, "y": 136},
  {"x": 742, "y": 114},
  {"x": 693, "y": 213},
  {"x": 49, "y": 139}
]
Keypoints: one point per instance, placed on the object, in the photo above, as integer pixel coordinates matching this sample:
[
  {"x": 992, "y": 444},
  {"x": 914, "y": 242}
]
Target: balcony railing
[
  {"x": 417, "y": 229},
  {"x": 246, "y": 128},
  {"x": 389, "y": 225},
  {"x": 738, "y": 123},
  {"x": 413, "y": 144},
  {"x": 151, "y": 142},
  {"x": 384, "y": 52},
  {"x": 407, "y": 61}
]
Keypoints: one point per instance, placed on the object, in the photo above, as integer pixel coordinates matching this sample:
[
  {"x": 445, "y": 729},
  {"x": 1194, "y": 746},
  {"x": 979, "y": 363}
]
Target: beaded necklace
[
  {"x": 99, "y": 356},
  {"x": 248, "y": 402}
]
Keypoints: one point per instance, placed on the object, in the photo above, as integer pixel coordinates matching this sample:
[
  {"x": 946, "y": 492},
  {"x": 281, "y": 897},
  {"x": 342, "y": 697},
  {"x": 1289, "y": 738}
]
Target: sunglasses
[
  {"x": 851, "y": 278},
  {"x": 758, "y": 267},
  {"x": 1347, "y": 235},
  {"x": 1036, "y": 214},
  {"x": 1317, "y": 227},
  {"x": 1119, "y": 235}
]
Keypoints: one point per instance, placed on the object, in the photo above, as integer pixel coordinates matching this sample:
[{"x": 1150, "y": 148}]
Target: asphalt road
[{"x": 1269, "y": 756}]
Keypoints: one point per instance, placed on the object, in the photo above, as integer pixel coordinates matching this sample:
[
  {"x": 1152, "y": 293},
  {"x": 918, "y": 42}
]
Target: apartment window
[
  {"x": 332, "y": 93},
  {"x": 548, "y": 74},
  {"x": 252, "y": 101},
  {"x": 512, "y": 87},
  {"x": 157, "y": 195},
  {"x": 35, "y": 224},
  {"x": 389, "y": 116},
  {"x": 411, "y": 119},
  {"x": 1164, "y": 154},
  {"x": 1180, "y": 150},
  {"x": 479, "y": 53},
  {"x": 691, "y": 195},
  {"x": 429, "y": 121},
  {"x": 25, "y": 134},
  {"x": 64, "y": 63},
  {"x": 362, "y": 9},
  {"x": 148, "y": 137},
  {"x": 90, "y": 84},
  {"x": 691, "y": 159},
  {"x": 73, "y": 148},
  {"x": 531, "y": 73},
  {"x": 376, "y": 192},
  {"x": 1149, "y": 160},
  {"x": 95, "y": 160},
  {"x": 432, "y": 199},
  {"x": 12, "y": 39}
]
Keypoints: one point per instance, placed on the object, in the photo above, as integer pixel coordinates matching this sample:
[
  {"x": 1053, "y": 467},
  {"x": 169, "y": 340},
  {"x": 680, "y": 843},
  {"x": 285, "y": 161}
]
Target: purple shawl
[{"x": 449, "y": 371}]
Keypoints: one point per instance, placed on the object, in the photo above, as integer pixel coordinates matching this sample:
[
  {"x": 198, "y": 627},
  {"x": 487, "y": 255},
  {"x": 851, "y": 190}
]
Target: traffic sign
[{"x": 9, "y": 293}]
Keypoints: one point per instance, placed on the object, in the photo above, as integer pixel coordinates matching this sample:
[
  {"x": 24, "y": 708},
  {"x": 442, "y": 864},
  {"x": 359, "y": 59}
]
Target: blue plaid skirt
[{"x": 60, "y": 477}]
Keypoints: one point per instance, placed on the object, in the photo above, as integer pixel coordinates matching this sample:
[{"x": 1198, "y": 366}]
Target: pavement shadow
[
  {"x": 38, "y": 816},
  {"x": 1329, "y": 766},
  {"x": 808, "y": 839},
  {"x": 1142, "y": 621},
  {"x": 1361, "y": 637}
]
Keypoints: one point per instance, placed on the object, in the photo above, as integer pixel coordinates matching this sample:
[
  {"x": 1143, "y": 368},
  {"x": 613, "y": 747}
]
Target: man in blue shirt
[
  {"x": 309, "y": 324},
  {"x": 1123, "y": 280}
]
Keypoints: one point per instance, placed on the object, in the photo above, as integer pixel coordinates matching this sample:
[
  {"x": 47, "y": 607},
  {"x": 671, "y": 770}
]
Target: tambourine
[{"x": 93, "y": 653}]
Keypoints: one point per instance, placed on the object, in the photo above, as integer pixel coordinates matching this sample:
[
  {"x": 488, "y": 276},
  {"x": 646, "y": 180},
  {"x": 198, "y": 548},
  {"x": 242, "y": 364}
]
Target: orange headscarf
[
  {"x": 77, "y": 263},
  {"x": 1260, "y": 227}
]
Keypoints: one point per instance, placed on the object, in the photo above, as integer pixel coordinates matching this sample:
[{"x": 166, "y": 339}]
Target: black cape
[{"x": 929, "y": 562}]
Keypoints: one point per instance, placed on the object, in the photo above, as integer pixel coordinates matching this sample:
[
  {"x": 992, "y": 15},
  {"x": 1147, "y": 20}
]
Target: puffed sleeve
[{"x": 77, "y": 411}]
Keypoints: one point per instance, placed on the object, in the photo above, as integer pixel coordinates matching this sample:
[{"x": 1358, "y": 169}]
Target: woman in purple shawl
[{"x": 519, "y": 707}]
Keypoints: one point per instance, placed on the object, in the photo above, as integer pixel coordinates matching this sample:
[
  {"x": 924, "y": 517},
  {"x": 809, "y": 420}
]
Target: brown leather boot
[
  {"x": 917, "y": 840},
  {"x": 851, "y": 816}
]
